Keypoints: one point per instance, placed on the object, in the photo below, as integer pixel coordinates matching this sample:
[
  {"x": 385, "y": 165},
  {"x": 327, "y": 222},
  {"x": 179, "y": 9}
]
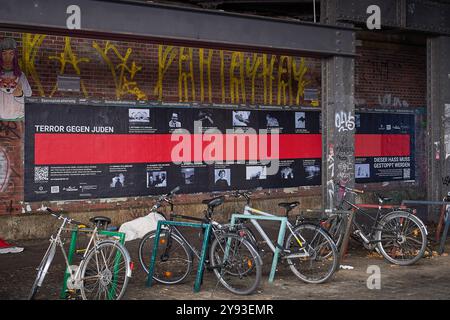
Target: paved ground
[{"x": 428, "y": 279}]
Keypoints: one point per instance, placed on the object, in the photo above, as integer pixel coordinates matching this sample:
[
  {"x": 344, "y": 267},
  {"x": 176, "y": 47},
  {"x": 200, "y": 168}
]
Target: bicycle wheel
[
  {"x": 239, "y": 268},
  {"x": 42, "y": 270},
  {"x": 402, "y": 238},
  {"x": 173, "y": 261},
  {"x": 315, "y": 258},
  {"x": 105, "y": 272}
]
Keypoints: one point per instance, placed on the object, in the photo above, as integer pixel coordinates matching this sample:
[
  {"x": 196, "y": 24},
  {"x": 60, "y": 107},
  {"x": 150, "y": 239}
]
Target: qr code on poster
[
  {"x": 40, "y": 174},
  {"x": 406, "y": 173}
]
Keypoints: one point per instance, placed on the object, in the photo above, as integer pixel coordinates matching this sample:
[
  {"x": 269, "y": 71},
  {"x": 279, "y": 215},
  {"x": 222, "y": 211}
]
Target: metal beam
[
  {"x": 413, "y": 15},
  {"x": 177, "y": 25}
]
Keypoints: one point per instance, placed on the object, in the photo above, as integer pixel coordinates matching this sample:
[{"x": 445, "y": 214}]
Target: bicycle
[
  {"x": 234, "y": 261},
  {"x": 104, "y": 271},
  {"x": 309, "y": 250},
  {"x": 398, "y": 235}
]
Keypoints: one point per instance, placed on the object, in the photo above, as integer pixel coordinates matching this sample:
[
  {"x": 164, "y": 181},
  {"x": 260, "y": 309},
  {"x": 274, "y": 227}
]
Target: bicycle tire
[
  {"x": 103, "y": 253},
  {"x": 247, "y": 262},
  {"x": 145, "y": 254},
  {"x": 321, "y": 249},
  {"x": 42, "y": 270},
  {"x": 418, "y": 236}
]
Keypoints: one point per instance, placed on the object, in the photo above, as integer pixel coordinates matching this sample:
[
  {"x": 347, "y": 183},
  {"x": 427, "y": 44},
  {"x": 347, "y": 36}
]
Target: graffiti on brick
[
  {"x": 389, "y": 100},
  {"x": 9, "y": 130},
  {"x": 446, "y": 181},
  {"x": 330, "y": 181},
  {"x": 123, "y": 73},
  {"x": 5, "y": 169},
  {"x": 68, "y": 57}
]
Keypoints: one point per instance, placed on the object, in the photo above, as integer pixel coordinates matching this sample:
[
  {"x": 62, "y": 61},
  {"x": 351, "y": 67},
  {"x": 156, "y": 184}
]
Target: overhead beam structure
[{"x": 176, "y": 25}]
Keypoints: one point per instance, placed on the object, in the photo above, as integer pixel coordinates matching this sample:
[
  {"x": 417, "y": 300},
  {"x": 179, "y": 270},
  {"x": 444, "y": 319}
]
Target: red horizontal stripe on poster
[
  {"x": 156, "y": 148},
  {"x": 54, "y": 149},
  {"x": 382, "y": 145}
]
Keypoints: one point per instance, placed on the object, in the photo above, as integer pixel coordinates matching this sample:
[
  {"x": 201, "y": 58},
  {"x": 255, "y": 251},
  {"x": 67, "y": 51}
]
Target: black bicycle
[
  {"x": 398, "y": 235},
  {"x": 232, "y": 258}
]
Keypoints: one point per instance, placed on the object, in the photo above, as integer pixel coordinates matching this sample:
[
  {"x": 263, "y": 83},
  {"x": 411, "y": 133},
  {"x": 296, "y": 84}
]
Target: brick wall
[
  {"x": 390, "y": 74},
  {"x": 130, "y": 71}
]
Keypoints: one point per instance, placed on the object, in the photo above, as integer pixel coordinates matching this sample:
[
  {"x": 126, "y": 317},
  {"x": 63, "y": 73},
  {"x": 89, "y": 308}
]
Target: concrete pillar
[
  {"x": 338, "y": 118},
  {"x": 438, "y": 120}
]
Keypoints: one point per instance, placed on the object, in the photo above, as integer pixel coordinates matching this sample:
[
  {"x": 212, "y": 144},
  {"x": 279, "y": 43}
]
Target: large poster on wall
[
  {"x": 80, "y": 151},
  {"x": 384, "y": 147}
]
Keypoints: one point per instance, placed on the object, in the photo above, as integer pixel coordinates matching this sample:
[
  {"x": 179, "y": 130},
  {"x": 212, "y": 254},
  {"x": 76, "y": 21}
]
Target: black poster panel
[
  {"x": 384, "y": 147},
  {"x": 82, "y": 151}
]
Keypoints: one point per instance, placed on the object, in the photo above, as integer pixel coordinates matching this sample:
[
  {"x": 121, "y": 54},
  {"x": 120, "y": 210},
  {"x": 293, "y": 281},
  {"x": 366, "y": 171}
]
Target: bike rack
[
  {"x": 281, "y": 233},
  {"x": 201, "y": 262},
  {"x": 72, "y": 249}
]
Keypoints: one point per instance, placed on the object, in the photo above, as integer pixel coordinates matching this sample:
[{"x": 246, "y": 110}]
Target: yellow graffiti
[
  {"x": 251, "y": 69},
  {"x": 202, "y": 64},
  {"x": 284, "y": 68},
  {"x": 222, "y": 75},
  {"x": 165, "y": 59},
  {"x": 123, "y": 84},
  {"x": 30, "y": 47},
  {"x": 68, "y": 57},
  {"x": 185, "y": 76},
  {"x": 268, "y": 77},
  {"x": 237, "y": 83},
  {"x": 299, "y": 76}
]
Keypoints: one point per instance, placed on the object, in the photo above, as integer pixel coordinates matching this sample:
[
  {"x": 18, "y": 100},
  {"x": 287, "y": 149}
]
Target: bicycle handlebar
[
  {"x": 350, "y": 189},
  {"x": 165, "y": 197},
  {"x": 60, "y": 216}
]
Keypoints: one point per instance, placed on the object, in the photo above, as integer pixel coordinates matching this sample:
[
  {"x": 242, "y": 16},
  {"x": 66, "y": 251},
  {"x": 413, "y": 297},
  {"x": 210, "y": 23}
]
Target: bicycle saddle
[
  {"x": 288, "y": 205},
  {"x": 214, "y": 202},
  {"x": 100, "y": 220},
  {"x": 382, "y": 199}
]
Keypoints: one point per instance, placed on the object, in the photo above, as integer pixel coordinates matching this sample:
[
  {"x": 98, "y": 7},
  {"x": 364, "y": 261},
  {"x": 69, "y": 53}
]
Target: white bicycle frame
[
  {"x": 56, "y": 241},
  {"x": 250, "y": 211}
]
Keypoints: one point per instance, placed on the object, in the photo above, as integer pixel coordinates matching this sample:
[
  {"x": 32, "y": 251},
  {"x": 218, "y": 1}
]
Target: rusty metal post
[{"x": 348, "y": 227}]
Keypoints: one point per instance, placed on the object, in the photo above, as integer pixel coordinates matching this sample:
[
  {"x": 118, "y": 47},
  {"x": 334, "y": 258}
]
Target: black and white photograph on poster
[
  {"x": 362, "y": 170},
  {"x": 205, "y": 116},
  {"x": 222, "y": 178},
  {"x": 312, "y": 172},
  {"x": 271, "y": 121},
  {"x": 241, "y": 118},
  {"x": 139, "y": 115},
  {"x": 256, "y": 173},
  {"x": 118, "y": 181},
  {"x": 175, "y": 120},
  {"x": 157, "y": 179},
  {"x": 188, "y": 175},
  {"x": 300, "y": 120},
  {"x": 287, "y": 173}
]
